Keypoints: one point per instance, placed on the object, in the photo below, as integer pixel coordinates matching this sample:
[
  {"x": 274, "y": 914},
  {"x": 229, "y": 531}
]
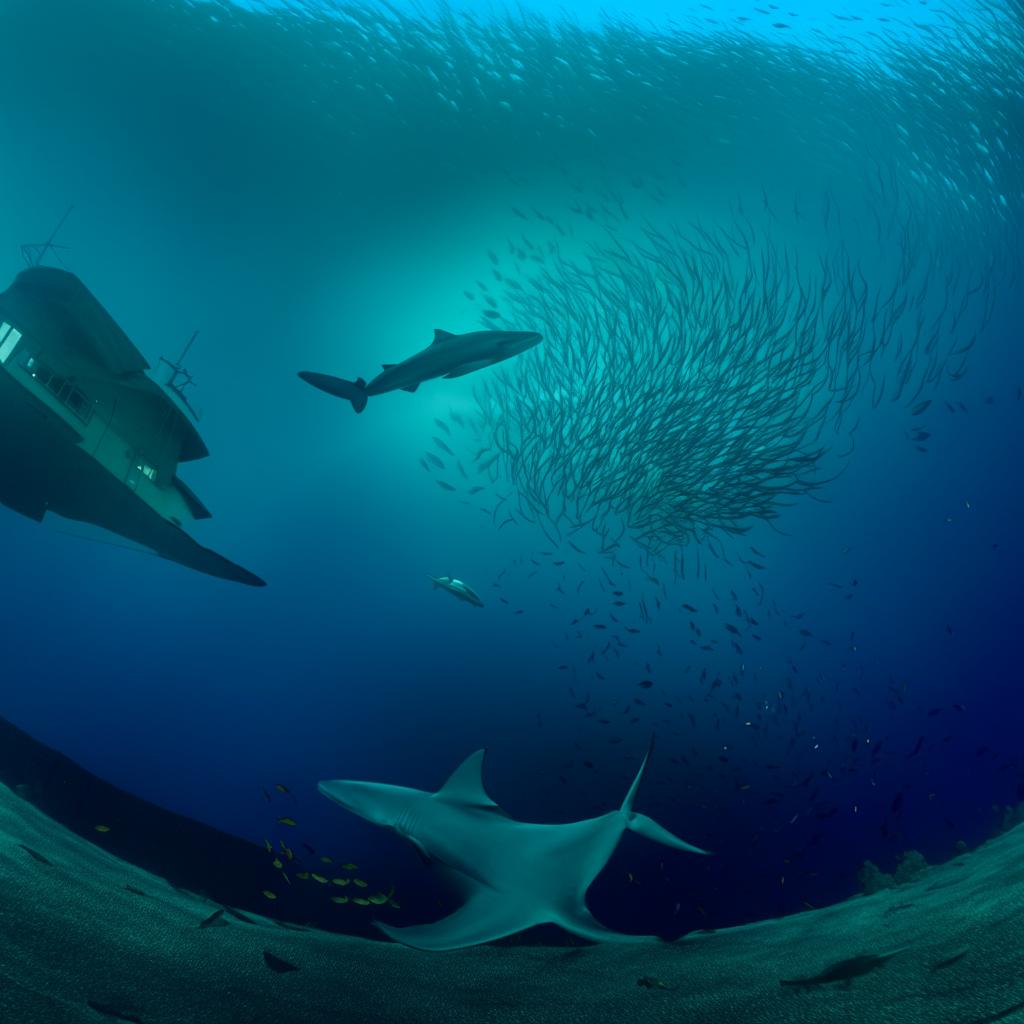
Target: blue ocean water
[{"x": 319, "y": 187}]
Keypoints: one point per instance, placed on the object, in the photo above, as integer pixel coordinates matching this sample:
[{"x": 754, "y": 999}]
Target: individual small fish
[
  {"x": 281, "y": 787},
  {"x": 238, "y": 915},
  {"x": 647, "y": 982},
  {"x": 276, "y": 964},
  {"x": 269, "y": 893},
  {"x": 291, "y": 822},
  {"x": 102, "y": 828},
  {"x": 445, "y": 486},
  {"x": 440, "y": 444}
]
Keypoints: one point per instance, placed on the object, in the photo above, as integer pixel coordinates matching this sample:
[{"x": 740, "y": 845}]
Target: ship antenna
[
  {"x": 179, "y": 378},
  {"x": 35, "y": 252}
]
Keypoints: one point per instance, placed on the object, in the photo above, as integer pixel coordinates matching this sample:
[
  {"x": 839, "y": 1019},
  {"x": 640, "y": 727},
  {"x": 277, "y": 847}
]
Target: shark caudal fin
[
  {"x": 354, "y": 391},
  {"x": 648, "y": 827}
]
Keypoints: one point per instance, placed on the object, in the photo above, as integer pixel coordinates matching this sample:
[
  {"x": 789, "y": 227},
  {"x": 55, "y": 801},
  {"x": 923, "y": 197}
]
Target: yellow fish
[
  {"x": 102, "y": 828},
  {"x": 359, "y": 882},
  {"x": 339, "y": 899},
  {"x": 287, "y": 821},
  {"x": 270, "y": 895},
  {"x": 341, "y": 881}
]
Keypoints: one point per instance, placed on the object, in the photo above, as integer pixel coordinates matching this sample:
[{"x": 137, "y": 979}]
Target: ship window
[
  {"x": 11, "y": 336},
  {"x": 72, "y": 397}
]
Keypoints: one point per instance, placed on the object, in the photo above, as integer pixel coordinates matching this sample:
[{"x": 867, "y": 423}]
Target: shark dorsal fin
[
  {"x": 440, "y": 335},
  {"x": 465, "y": 785},
  {"x": 387, "y": 366}
]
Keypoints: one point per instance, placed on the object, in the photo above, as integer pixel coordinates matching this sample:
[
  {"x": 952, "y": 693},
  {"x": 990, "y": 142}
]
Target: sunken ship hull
[{"x": 85, "y": 433}]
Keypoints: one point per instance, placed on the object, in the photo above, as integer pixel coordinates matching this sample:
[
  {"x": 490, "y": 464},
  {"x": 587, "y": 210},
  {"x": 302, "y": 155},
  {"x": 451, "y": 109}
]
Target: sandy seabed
[{"x": 86, "y": 937}]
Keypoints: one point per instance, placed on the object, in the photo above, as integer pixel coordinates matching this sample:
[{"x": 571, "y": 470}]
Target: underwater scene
[{"x": 511, "y": 512}]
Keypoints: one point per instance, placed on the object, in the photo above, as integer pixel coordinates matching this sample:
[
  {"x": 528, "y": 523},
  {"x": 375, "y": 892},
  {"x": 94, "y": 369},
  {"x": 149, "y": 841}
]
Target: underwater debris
[{"x": 276, "y": 964}]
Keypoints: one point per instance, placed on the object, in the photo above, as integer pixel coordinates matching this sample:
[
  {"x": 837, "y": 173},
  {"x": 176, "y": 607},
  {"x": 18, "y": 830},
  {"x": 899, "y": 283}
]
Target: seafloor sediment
[{"x": 86, "y": 937}]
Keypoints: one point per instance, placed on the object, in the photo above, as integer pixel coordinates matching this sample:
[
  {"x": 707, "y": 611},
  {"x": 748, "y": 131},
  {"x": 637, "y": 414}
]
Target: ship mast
[
  {"x": 180, "y": 378},
  {"x": 33, "y": 253}
]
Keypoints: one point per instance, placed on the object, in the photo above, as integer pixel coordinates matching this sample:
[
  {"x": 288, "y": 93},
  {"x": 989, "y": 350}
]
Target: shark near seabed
[
  {"x": 448, "y": 355},
  {"x": 513, "y": 874}
]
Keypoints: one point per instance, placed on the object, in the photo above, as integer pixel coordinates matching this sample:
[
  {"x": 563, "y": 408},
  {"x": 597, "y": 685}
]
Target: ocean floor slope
[{"x": 86, "y": 937}]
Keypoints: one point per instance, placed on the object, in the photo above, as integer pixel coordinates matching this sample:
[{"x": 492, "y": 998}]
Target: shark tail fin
[
  {"x": 627, "y": 804},
  {"x": 354, "y": 391},
  {"x": 648, "y": 827}
]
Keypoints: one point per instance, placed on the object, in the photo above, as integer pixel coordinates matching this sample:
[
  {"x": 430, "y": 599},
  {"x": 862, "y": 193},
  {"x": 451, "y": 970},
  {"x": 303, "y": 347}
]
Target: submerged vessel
[{"x": 86, "y": 433}]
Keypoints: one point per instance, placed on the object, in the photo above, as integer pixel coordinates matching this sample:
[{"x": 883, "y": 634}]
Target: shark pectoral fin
[
  {"x": 461, "y": 371},
  {"x": 487, "y": 915},
  {"x": 411, "y": 387},
  {"x": 581, "y": 922},
  {"x": 650, "y": 829}
]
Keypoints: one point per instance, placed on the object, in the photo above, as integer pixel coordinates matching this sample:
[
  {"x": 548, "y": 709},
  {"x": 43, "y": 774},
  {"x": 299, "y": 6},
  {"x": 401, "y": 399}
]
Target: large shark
[
  {"x": 513, "y": 874},
  {"x": 448, "y": 355}
]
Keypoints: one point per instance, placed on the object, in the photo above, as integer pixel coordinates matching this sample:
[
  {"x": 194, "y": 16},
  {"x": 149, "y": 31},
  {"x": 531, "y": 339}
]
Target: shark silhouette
[
  {"x": 448, "y": 355},
  {"x": 513, "y": 874}
]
